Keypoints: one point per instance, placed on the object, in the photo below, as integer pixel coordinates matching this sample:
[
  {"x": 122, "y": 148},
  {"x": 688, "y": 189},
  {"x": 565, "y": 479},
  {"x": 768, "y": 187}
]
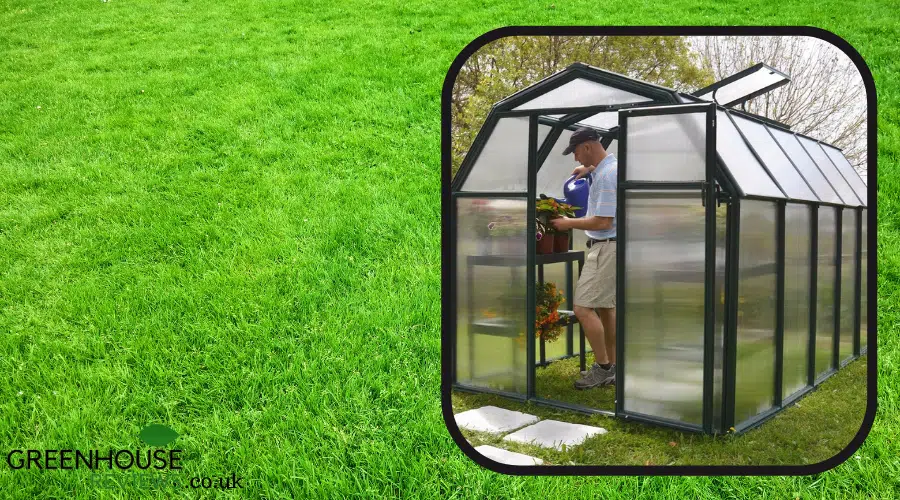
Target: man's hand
[
  {"x": 561, "y": 224},
  {"x": 581, "y": 170}
]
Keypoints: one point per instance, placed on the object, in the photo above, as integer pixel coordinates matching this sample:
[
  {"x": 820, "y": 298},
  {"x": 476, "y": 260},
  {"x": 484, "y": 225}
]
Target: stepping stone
[
  {"x": 554, "y": 434},
  {"x": 507, "y": 457},
  {"x": 494, "y": 420}
]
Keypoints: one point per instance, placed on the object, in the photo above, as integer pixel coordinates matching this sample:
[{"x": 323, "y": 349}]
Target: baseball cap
[{"x": 580, "y": 135}]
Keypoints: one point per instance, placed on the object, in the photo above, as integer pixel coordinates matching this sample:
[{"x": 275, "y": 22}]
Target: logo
[
  {"x": 157, "y": 435},
  {"x": 68, "y": 459},
  {"x": 103, "y": 464}
]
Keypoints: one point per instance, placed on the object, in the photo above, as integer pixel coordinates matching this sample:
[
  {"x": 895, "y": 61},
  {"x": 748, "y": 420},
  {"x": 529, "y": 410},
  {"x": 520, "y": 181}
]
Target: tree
[
  {"x": 510, "y": 64},
  {"x": 825, "y": 99}
]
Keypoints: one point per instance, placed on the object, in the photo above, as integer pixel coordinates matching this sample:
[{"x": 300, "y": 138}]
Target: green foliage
[
  {"x": 510, "y": 64},
  {"x": 553, "y": 208},
  {"x": 547, "y": 301}
]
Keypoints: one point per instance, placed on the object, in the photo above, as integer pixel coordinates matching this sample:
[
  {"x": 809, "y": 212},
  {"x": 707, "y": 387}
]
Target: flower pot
[
  {"x": 544, "y": 218},
  {"x": 545, "y": 244},
  {"x": 561, "y": 242}
]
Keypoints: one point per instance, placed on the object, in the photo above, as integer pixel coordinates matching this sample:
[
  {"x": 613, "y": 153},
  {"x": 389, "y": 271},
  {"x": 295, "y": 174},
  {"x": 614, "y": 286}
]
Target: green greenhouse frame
[{"x": 742, "y": 251}]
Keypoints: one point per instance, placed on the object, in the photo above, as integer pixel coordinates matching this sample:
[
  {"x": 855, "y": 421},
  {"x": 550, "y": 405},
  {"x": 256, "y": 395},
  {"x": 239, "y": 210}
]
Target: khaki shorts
[{"x": 596, "y": 287}]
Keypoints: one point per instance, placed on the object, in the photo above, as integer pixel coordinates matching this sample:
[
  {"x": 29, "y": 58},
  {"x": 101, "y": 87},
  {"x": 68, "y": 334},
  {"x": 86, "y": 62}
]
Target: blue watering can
[{"x": 576, "y": 192}]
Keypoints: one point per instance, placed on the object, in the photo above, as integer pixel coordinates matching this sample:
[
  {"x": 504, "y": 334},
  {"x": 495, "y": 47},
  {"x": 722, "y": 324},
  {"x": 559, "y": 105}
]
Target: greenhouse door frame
[{"x": 707, "y": 189}]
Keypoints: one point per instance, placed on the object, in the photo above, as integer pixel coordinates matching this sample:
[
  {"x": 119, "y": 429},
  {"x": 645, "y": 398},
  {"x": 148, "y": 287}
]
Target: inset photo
[{"x": 658, "y": 251}]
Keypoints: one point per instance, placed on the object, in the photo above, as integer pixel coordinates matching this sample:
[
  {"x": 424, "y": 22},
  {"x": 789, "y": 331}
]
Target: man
[{"x": 595, "y": 293}]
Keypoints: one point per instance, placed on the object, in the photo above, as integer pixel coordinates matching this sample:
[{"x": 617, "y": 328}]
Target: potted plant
[
  {"x": 561, "y": 241},
  {"x": 546, "y": 321},
  {"x": 544, "y": 237},
  {"x": 550, "y": 208}
]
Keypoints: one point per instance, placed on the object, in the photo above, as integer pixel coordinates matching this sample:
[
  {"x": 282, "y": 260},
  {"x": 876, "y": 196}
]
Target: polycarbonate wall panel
[
  {"x": 775, "y": 160},
  {"x": 503, "y": 163},
  {"x": 665, "y": 255},
  {"x": 719, "y": 333},
  {"x": 805, "y": 165},
  {"x": 757, "y": 309},
  {"x": 556, "y": 168},
  {"x": 826, "y": 276},
  {"x": 864, "y": 287},
  {"x": 579, "y": 240},
  {"x": 739, "y": 160},
  {"x": 848, "y": 283},
  {"x": 831, "y": 173},
  {"x": 581, "y": 92},
  {"x": 849, "y": 173},
  {"x": 613, "y": 148},
  {"x": 667, "y": 147},
  {"x": 606, "y": 120},
  {"x": 797, "y": 296},
  {"x": 491, "y": 309}
]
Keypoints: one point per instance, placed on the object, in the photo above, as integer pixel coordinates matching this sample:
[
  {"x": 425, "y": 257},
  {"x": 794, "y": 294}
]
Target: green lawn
[
  {"x": 815, "y": 429},
  {"x": 225, "y": 218}
]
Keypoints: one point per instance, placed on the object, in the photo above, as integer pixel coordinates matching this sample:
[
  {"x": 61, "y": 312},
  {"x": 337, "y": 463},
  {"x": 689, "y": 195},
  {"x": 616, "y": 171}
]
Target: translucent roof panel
[
  {"x": 669, "y": 147},
  {"x": 774, "y": 159},
  {"x": 742, "y": 88},
  {"x": 556, "y": 168},
  {"x": 581, "y": 92},
  {"x": 613, "y": 148},
  {"x": 831, "y": 172},
  {"x": 805, "y": 165},
  {"x": 739, "y": 160},
  {"x": 606, "y": 120},
  {"x": 503, "y": 163},
  {"x": 849, "y": 172}
]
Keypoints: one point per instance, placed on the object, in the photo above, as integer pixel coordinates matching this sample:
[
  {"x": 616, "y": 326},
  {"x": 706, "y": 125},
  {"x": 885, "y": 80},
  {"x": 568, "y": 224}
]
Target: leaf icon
[{"x": 157, "y": 435}]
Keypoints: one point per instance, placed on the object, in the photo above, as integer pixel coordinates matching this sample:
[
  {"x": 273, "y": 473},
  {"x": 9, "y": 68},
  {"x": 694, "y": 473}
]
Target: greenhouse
[{"x": 741, "y": 262}]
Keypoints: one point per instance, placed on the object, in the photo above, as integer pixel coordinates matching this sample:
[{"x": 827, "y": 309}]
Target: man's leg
[
  {"x": 593, "y": 328},
  {"x": 607, "y": 317},
  {"x": 594, "y": 331},
  {"x": 589, "y": 293}
]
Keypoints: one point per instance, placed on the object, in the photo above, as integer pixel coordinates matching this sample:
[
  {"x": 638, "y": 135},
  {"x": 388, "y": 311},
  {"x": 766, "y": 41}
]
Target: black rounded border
[{"x": 871, "y": 282}]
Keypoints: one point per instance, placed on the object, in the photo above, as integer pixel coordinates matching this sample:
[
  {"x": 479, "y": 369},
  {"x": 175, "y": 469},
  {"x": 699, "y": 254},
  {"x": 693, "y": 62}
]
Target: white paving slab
[
  {"x": 554, "y": 434},
  {"x": 493, "y": 419},
  {"x": 506, "y": 456}
]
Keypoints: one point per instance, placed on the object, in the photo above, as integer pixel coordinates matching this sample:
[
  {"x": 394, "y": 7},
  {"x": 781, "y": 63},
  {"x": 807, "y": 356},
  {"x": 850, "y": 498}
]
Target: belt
[{"x": 591, "y": 241}]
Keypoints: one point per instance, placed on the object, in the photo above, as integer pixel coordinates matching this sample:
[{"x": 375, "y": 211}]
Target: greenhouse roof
[{"x": 762, "y": 157}]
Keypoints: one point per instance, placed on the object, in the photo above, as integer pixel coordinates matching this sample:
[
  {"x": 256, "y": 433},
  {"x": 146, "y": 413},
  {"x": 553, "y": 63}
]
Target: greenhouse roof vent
[{"x": 744, "y": 85}]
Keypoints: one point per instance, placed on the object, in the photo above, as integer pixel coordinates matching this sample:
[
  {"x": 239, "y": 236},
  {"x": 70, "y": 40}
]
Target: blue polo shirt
[{"x": 602, "y": 197}]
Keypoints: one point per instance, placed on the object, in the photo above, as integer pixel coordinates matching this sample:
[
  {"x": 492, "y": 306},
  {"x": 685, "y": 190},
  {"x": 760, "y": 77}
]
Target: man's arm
[
  {"x": 584, "y": 223},
  {"x": 582, "y": 171}
]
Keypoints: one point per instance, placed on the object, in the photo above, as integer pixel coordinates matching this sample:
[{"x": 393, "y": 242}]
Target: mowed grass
[
  {"x": 226, "y": 218},
  {"x": 814, "y": 429}
]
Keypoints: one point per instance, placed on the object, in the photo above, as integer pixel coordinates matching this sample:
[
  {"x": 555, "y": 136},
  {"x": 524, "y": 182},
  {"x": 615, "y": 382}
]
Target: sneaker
[
  {"x": 612, "y": 368},
  {"x": 596, "y": 377},
  {"x": 585, "y": 372}
]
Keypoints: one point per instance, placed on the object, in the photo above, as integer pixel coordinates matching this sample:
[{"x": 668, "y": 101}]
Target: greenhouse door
[{"x": 666, "y": 265}]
